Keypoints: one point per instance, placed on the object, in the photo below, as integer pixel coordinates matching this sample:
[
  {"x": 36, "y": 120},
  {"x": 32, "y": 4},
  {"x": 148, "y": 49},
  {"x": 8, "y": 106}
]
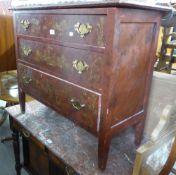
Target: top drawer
[{"x": 80, "y": 29}]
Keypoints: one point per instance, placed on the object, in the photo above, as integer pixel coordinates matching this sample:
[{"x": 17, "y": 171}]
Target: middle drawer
[{"x": 82, "y": 67}]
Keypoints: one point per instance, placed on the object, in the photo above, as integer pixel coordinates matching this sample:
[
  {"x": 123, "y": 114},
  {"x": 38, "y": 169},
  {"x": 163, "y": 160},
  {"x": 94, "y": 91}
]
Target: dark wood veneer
[
  {"x": 59, "y": 61},
  {"x": 63, "y": 25},
  {"x": 58, "y": 94},
  {"x": 123, "y": 61}
]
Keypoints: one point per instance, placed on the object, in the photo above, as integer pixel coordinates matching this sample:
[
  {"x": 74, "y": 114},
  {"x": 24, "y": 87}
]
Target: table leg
[
  {"x": 139, "y": 129},
  {"x": 16, "y": 148},
  {"x": 22, "y": 99},
  {"x": 3, "y": 115},
  {"x": 103, "y": 150}
]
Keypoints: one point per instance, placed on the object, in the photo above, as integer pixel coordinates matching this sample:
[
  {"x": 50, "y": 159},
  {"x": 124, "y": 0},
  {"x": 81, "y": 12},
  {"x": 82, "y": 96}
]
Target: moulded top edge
[{"x": 41, "y": 4}]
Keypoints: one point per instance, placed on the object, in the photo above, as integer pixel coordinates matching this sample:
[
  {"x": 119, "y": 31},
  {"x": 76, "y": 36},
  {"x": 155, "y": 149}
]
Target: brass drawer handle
[
  {"x": 27, "y": 80},
  {"x": 25, "y": 24},
  {"x": 82, "y": 29},
  {"x": 76, "y": 104},
  {"x": 26, "y": 134},
  {"x": 80, "y": 66},
  {"x": 70, "y": 171},
  {"x": 27, "y": 51}
]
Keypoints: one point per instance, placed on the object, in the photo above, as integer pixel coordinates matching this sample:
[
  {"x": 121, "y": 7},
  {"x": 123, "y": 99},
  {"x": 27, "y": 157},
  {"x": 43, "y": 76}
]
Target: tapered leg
[
  {"x": 139, "y": 129},
  {"x": 16, "y": 148},
  {"x": 22, "y": 99},
  {"x": 103, "y": 150}
]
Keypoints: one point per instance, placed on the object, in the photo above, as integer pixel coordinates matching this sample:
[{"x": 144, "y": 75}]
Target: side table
[
  {"x": 54, "y": 145},
  {"x": 8, "y": 93}
]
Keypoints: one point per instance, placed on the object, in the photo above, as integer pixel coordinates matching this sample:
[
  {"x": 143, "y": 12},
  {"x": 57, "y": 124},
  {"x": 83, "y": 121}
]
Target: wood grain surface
[{"x": 7, "y": 48}]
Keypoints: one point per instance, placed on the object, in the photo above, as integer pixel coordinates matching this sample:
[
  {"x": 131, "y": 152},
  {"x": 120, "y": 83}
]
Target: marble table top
[{"x": 72, "y": 144}]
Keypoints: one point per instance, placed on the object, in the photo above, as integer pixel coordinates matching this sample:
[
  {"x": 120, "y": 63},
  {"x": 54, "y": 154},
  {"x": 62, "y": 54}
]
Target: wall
[{"x": 7, "y": 48}]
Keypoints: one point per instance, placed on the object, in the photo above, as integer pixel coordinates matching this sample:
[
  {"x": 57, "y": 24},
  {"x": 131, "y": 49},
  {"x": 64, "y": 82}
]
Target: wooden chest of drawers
[{"x": 92, "y": 65}]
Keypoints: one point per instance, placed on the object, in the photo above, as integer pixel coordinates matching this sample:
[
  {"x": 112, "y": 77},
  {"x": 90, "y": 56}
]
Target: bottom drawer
[
  {"x": 39, "y": 162},
  {"x": 80, "y": 105},
  {"x": 58, "y": 167}
]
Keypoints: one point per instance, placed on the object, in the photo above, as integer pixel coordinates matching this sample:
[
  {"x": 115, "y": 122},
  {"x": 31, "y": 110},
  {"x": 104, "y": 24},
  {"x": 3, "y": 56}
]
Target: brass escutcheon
[
  {"x": 82, "y": 29},
  {"x": 25, "y": 24},
  {"x": 80, "y": 66},
  {"x": 70, "y": 171},
  {"x": 27, "y": 51},
  {"x": 76, "y": 104},
  {"x": 27, "y": 80}
]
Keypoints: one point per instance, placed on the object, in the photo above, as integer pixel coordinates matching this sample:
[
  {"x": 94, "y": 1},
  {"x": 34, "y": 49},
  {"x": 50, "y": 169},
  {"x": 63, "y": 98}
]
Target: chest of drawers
[{"x": 93, "y": 65}]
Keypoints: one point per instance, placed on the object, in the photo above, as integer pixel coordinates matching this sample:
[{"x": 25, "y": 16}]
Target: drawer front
[
  {"x": 83, "y": 29},
  {"x": 57, "y": 166},
  {"x": 38, "y": 160},
  {"x": 27, "y": 135},
  {"x": 35, "y": 158},
  {"x": 78, "y": 66},
  {"x": 80, "y": 105}
]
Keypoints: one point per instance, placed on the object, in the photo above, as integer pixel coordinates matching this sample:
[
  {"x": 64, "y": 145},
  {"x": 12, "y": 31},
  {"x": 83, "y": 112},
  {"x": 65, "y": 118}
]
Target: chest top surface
[{"x": 21, "y": 4}]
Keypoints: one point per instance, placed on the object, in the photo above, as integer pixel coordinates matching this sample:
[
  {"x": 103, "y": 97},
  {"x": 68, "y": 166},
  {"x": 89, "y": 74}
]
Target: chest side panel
[{"x": 136, "y": 37}]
